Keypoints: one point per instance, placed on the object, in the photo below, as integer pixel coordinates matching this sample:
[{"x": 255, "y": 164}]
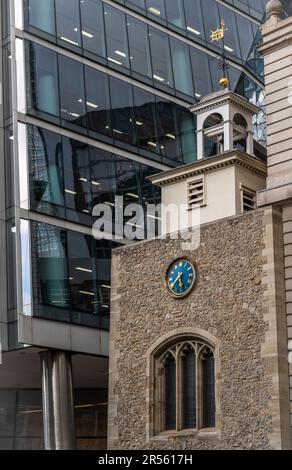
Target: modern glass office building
[{"x": 95, "y": 98}]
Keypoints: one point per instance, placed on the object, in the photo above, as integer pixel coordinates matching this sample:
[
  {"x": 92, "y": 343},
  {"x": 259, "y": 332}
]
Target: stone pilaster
[
  {"x": 114, "y": 348},
  {"x": 274, "y": 348},
  {"x": 277, "y": 198}
]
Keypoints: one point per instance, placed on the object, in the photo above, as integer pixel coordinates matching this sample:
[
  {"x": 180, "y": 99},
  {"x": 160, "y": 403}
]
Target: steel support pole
[{"x": 58, "y": 407}]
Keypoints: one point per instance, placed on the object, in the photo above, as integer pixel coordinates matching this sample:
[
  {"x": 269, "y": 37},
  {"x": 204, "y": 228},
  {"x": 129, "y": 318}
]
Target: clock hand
[{"x": 178, "y": 277}]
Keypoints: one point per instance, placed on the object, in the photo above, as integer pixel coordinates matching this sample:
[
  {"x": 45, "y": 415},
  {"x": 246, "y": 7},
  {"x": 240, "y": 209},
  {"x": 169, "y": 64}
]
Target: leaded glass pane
[{"x": 170, "y": 394}]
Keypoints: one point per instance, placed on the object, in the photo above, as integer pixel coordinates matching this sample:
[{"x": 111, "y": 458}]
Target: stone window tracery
[{"x": 184, "y": 387}]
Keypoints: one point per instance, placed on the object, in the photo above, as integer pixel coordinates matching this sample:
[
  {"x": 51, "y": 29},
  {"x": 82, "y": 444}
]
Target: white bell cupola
[{"x": 224, "y": 123}]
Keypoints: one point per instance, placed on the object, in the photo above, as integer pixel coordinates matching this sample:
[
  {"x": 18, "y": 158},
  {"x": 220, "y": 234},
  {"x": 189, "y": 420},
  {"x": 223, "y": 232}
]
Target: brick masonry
[{"x": 230, "y": 302}]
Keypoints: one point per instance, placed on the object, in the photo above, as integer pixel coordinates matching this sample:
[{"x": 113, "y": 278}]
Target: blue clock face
[{"x": 181, "y": 277}]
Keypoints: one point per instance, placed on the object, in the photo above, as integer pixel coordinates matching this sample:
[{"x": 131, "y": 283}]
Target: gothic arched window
[{"x": 184, "y": 387}]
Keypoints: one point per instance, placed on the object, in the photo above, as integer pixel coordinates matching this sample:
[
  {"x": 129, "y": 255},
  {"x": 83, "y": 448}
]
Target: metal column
[{"x": 58, "y": 407}]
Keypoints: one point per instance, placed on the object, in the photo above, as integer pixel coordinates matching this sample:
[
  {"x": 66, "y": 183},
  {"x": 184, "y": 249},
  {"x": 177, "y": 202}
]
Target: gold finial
[{"x": 224, "y": 82}]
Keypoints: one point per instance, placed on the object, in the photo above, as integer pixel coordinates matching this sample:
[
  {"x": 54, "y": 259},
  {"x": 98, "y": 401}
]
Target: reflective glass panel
[
  {"x": 42, "y": 15},
  {"x": 168, "y": 130},
  {"x": 29, "y": 414},
  {"x": 51, "y": 273},
  {"x": 116, "y": 36},
  {"x": 194, "y": 18},
  {"x": 97, "y": 101},
  {"x": 156, "y": 8},
  {"x": 122, "y": 110},
  {"x": 144, "y": 111},
  {"x": 82, "y": 272},
  {"x": 161, "y": 59},
  {"x": 211, "y": 17},
  {"x": 231, "y": 43},
  {"x": 46, "y": 170},
  {"x": 175, "y": 13},
  {"x": 68, "y": 21},
  {"x": 44, "y": 79},
  {"x": 92, "y": 30},
  {"x": 181, "y": 67},
  {"x": 139, "y": 47},
  {"x": 76, "y": 178},
  {"x": 201, "y": 73},
  {"x": 72, "y": 95}
]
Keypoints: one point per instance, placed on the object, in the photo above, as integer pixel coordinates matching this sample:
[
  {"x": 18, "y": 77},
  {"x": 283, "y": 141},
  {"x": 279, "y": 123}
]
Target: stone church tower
[{"x": 201, "y": 335}]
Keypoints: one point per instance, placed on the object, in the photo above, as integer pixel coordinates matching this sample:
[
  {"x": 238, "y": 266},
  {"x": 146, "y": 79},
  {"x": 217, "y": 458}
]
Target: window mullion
[
  {"x": 198, "y": 392},
  {"x": 179, "y": 391}
]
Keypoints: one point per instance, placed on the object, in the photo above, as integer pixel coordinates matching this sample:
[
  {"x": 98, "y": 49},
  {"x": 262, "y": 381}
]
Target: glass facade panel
[
  {"x": 201, "y": 73},
  {"x": 156, "y": 8},
  {"x": 51, "y": 275},
  {"x": 246, "y": 36},
  {"x": 29, "y": 415},
  {"x": 168, "y": 131},
  {"x": 68, "y": 21},
  {"x": 187, "y": 135},
  {"x": 82, "y": 273},
  {"x": 7, "y": 412},
  {"x": 181, "y": 67},
  {"x": 139, "y": 47},
  {"x": 21, "y": 419},
  {"x": 72, "y": 276},
  {"x": 116, "y": 36},
  {"x": 92, "y": 31},
  {"x": 161, "y": 59},
  {"x": 103, "y": 173},
  {"x": 77, "y": 180},
  {"x": 72, "y": 94},
  {"x": 144, "y": 118},
  {"x": 127, "y": 39},
  {"x": 44, "y": 79},
  {"x": 231, "y": 42},
  {"x": 46, "y": 171},
  {"x": 122, "y": 111},
  {"x": 68, "y": 178},
  {"x": 210, "y": 17},
  {"x": 97, "y": 101},
  {"x": 194, "y": 18},
  {"x": 90, "y": 413},
  {"x": 175, "y": 13},
  {"x": 136, "y": 3},
  {"x": 102, "y": 106},
  {"x": 42, "y": 15}
]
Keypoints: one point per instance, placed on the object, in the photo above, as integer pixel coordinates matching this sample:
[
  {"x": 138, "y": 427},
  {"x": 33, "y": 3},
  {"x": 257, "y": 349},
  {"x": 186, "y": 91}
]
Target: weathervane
[{"x": 217, "y": 35}]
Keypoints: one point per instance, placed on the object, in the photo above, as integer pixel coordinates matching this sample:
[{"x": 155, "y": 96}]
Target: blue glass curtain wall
[
  {"x": 110, "y": 36},
  {"x": 71, "y": 276},
  {"x": 88, "y": 101},
  {"x": 68, "y": 178},
  {"x": 172, "y": 11},
  {"x": 21, "y": 419}
]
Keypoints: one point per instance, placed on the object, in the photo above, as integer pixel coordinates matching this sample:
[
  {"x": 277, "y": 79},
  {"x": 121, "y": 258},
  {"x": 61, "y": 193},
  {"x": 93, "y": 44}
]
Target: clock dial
[{"x": 181, "y": 277}]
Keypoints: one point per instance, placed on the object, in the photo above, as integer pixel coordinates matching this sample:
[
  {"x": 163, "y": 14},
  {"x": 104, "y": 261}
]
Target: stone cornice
[
  {"x": 213, "y": 101},
  {"x": 231, "y": 158},
  {"x": 276, "y": 34}
]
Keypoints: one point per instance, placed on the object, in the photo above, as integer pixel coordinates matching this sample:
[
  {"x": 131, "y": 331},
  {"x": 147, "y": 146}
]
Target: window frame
[{"x": 156, "y": 391}]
